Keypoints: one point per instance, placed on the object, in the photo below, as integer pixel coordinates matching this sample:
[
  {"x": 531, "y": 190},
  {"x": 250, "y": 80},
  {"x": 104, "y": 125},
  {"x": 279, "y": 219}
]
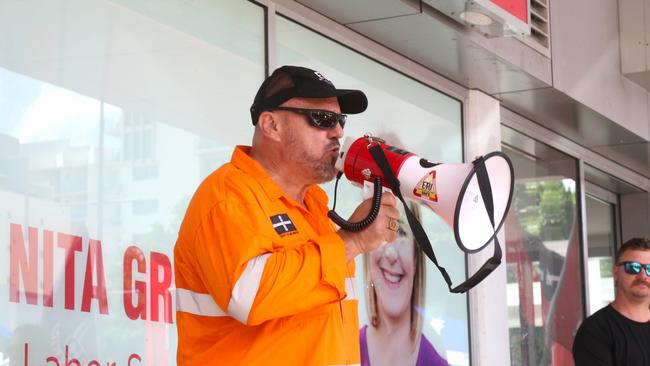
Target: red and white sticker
[{"x": 426, "y": 188}]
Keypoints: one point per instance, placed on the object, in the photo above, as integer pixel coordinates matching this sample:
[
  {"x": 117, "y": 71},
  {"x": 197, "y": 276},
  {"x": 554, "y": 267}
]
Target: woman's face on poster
[{"x": 392, "y": 268}]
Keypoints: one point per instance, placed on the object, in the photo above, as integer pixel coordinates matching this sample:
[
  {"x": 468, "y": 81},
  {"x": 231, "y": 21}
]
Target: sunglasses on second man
[
  {"x": 633, "y": 268},
  {"x": 319, "y": 118}
]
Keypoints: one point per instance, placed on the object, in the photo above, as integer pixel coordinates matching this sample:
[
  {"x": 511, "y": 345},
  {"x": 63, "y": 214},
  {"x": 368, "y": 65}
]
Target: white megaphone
[{"x": 473, "y": 198}]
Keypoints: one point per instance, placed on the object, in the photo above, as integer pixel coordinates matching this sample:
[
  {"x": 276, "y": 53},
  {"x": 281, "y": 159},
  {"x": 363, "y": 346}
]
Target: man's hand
[{"x": 383, "y": 230}]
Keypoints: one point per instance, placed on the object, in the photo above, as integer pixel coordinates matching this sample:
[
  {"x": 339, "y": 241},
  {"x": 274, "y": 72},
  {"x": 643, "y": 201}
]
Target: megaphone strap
[
  {"x": 420, "y": 235},
  {"x": 484, "y": 186}
]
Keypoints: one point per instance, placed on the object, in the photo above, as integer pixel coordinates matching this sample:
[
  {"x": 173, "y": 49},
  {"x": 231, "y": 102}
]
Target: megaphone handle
[{"x": 372, "y": 215}]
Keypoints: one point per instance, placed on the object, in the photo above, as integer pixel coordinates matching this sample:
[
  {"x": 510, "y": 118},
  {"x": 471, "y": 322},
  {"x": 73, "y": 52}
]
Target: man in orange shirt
[{"x": 262, "y": 275}]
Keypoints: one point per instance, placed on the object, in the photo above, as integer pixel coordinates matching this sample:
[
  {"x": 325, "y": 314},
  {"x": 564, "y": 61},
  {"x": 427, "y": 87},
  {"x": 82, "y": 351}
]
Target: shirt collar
[{"x": 241, "y": 159}]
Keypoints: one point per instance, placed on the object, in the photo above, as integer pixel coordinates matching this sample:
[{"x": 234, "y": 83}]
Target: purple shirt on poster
[{"x": 427, "y": 355}]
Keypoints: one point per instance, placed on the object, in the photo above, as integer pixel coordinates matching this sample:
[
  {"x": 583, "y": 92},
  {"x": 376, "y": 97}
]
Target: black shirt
[{"x": 607, "y": 338}]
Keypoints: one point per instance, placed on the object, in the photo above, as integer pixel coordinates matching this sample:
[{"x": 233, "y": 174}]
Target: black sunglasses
[
  {"x": 634, "y": 268},
  {"x": 317, "y": 117}
]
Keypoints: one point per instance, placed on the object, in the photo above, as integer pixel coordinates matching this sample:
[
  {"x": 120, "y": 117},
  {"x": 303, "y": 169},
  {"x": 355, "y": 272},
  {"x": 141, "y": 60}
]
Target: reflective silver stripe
[
  {"x": 243, "y": 294},
  {"x": 203, "y": 304},
  {"x": 350, "y": 289},
  {"x": 197, "y": 303}
]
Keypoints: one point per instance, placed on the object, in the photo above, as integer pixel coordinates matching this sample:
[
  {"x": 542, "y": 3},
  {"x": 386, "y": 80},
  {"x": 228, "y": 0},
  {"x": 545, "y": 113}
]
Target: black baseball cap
[{"x": 294, "y": 81}]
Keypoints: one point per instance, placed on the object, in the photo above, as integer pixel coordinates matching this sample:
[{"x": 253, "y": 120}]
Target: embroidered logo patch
[{"x": 283, "y": 224}]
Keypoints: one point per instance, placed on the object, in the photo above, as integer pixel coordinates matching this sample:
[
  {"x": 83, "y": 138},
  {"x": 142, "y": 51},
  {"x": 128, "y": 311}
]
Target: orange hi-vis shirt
[{"x": 260, "y": 279}]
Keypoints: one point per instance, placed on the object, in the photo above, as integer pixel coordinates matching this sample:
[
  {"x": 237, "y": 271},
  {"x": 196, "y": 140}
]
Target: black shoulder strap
[{"x": 421, "y": 236}]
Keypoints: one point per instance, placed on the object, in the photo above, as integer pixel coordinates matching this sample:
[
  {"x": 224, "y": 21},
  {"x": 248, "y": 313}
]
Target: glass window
[
  {"x": 141, "y": 207},
  {"x": 601, "y": 239},
  {"x": 417, "y": 118},
  {"x": 103, "y": 105},
  {"x": 145, "y": 172},
  {"x": 542, "y": 253}
]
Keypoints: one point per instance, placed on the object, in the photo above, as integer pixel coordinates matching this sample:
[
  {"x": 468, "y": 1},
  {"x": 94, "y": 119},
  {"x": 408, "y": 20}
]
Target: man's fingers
[
  {"x": 388, "y": 199},
  {"x": 390, "y": 212}
]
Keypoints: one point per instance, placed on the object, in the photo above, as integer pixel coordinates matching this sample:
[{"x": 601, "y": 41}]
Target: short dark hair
[{"x": 632, "y": 244}]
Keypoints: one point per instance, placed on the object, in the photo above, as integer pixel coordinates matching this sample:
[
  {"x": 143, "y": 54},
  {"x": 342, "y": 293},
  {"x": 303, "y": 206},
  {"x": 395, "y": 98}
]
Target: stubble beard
[
  {"x": 325, "y": 170},
  {"x": 319, "y": 168}
]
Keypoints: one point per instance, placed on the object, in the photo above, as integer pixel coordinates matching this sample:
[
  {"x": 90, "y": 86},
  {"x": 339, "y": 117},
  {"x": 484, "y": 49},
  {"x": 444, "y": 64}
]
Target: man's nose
[{"x": 337, "y": 131}]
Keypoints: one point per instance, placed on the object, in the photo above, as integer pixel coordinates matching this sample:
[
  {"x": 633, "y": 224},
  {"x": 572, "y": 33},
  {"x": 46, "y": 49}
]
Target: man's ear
[
  {"x": 270, "y": 126},
  {"x": 615, "y": 272}
]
